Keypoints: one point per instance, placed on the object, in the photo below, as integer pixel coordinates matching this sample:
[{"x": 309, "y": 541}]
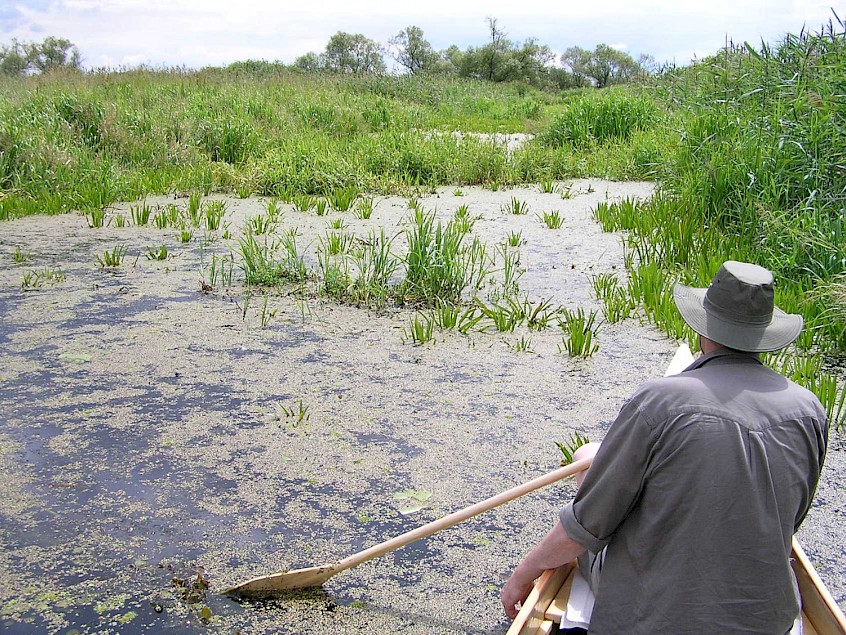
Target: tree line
[
  {"x": 23, "y": 58},
  {"x": 498, "y": 60}
]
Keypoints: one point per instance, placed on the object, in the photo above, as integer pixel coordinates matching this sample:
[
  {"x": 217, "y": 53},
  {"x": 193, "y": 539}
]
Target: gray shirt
[{"x": 696, "y": 491}]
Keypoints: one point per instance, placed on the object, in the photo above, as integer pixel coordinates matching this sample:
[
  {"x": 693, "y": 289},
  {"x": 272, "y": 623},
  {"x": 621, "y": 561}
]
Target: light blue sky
[{"x": 195, "y": 33}]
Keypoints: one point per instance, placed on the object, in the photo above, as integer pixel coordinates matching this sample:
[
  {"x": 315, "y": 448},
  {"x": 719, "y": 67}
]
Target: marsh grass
[
  {"x": 261, "y": 224},
  {"x": 157, "y": 253},
  {"x": 516, "y": 206},
  {"x": 515, "y": 239},
  {"x": 616, "y": 303},
  {"x": 140, "y": 213},
  {"x": 549, "y": 186},
  {"x": 321, "y": 206},
  {"x": 336, "y": 243},
  {"x": 194, "y": 209},
  {"x": 36, "y": 279},
  {"x": 292, "y": 265},
  {"x": 304, "y": 203},
  {"x": 512, "y": 271},
  {"x": 579, "y": 332},
  {"x": 809, "y": 371},
  {"x": 523, "y": 345},
  {"x": 266, "y": 314},
  {"x": 96, "y": 218},
  {"x": 221, "y": 270},
  {"x": 538, "y": 316},
  {"x": 113, "y": 257},
  {"x": 271, "y": 261},
  {"x": 420, "y": 329},
  {"x": 273, "y": 209},
  {"x": 446, "y": 316},
  {"x": 342, "y": 199},
  {"x": 568, "y": 447},
  {"x": 222, "y": 130},
  {"x": 120, "y": 221},
  {"x": 19, "y": 256},
  {"x": 364, "y": 208},
  {"x": 297, "y": 416},
  {"x": 552, "y": 219},
  {"x": 375, "y": 264},
  {"x": 652, "y": 286},
  {"x": 185, "y": 235},
  {"x": 592, "y": 117},
  {"x": 214, "y": 212},
  {"x": 439, "y": 264},
  {"x": 462, "y": 219},
  {"x": 504, "y": 318}
]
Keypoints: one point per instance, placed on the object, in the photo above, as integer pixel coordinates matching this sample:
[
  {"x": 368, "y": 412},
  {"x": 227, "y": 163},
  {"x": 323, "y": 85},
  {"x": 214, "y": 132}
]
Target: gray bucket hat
[{"x": 738, "y": 310}]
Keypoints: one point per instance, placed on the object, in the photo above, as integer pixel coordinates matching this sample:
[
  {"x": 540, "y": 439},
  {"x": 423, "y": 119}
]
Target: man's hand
[
  {"x": 515, "y": 592},
  {"x": 555, "y": 549}
]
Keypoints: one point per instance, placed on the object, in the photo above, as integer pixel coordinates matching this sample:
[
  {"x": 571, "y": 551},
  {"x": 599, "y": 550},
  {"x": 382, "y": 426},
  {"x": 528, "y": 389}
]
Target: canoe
[{"x": 541, "y": 612}]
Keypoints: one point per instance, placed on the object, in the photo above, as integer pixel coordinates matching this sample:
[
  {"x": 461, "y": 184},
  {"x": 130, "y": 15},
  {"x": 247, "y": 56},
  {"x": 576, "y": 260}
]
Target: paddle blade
[{"x": 284, "y": 580}]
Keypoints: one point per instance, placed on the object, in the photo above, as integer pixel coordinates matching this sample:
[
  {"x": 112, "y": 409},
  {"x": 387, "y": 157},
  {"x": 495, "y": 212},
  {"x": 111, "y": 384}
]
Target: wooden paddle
[{"x": 315, "y": 576}]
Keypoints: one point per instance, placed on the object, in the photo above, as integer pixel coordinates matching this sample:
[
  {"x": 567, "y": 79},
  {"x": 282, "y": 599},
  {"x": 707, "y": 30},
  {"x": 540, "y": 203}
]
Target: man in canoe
[{"x": 700, "y": 483}]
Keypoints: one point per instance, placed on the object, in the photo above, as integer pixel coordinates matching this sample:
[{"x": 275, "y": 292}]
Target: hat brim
[{"x": 781, "y": 331}]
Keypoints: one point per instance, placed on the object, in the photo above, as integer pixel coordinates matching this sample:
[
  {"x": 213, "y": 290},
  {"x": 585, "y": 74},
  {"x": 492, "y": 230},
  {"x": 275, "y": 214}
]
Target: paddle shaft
[{"x": 460, "y": 516}]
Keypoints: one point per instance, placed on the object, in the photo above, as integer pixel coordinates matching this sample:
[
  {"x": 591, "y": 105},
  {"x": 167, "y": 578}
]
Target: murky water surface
[{"x": 158, "y": 440}]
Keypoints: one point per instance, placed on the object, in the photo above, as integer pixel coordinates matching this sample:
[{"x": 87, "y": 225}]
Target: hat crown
[{"x": 741, "y": 292}]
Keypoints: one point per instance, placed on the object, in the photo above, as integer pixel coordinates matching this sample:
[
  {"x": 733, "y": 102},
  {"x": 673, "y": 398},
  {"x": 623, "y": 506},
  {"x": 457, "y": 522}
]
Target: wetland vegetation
[
  {"x": 363, "y": 244},
  {"x": 747, "y": 147}
]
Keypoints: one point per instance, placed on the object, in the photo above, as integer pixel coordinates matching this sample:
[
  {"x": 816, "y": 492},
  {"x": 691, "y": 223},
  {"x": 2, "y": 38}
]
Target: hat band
[{"x": 733, "y": 316}]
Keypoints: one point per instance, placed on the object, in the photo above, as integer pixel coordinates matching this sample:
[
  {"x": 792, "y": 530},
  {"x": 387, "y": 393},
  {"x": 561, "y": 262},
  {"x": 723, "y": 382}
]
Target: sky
[{"x": 196, "y": 33}]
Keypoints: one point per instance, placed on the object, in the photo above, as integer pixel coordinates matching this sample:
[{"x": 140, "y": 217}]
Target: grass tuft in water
[
  {"x": 157, "y": 253},
  {"x": 112, "y": 258},
  {"x": 140, "y": 213},
  {"x": 568, "y": 448},
  {"x": 516, "y": 206},
  {"x": 420, "y": 329},
  {"x": 579, "y": 333},
  {"x": 552, "y": 219}
]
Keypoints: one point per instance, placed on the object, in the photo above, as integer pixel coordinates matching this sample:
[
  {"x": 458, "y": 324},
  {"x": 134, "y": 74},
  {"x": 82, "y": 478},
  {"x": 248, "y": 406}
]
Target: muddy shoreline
[{"x": 155, "y": 433}]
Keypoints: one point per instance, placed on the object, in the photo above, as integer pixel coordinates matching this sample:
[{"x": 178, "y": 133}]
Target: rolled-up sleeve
[{"x": 614, "y": 484}]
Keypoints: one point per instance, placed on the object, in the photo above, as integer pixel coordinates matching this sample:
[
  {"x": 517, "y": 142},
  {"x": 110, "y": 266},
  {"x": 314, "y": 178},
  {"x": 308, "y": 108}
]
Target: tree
[
  {"x": 604, "y": 65},
  {"x": 451, "y": 59},
  {"x": 21, "y": 58},
  {"x": 54, "y": 53},
  {"x": 310, "y": 62},
  {"x": 14, "y": 59},
  {"x": 411, "y": 51},
  {"x": 532, "y": 63},
  {"x": 352, "y": 53},
  {"x": 492, "y": 56}
]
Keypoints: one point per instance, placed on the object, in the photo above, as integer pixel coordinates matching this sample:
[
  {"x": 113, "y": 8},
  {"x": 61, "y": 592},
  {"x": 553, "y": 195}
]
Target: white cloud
[{"x": 213, "y": 32}]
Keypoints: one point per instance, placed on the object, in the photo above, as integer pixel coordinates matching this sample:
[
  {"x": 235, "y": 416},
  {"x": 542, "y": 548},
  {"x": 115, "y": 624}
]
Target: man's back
[{"x": 697, "y": 491}]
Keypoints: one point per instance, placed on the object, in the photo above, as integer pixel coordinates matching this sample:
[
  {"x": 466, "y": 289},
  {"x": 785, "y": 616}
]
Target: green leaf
[
  {"x": 74, "y": 357},
  {"x": 411, "y": 508},
  {"x": 420, "y": 495}
]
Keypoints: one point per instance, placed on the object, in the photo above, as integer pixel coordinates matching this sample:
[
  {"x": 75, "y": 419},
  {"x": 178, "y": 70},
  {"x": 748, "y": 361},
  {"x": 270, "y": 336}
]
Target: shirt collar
[{"x": 723, "y": 353}]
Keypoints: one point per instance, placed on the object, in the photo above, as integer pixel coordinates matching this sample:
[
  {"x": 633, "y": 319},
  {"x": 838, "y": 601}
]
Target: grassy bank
[
  {"x": 757, "y": 174},
  {"x": 76, "y": 142}
]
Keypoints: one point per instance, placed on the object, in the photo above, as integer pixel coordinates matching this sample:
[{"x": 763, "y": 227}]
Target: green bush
[{"x": 600, "y": 116}]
